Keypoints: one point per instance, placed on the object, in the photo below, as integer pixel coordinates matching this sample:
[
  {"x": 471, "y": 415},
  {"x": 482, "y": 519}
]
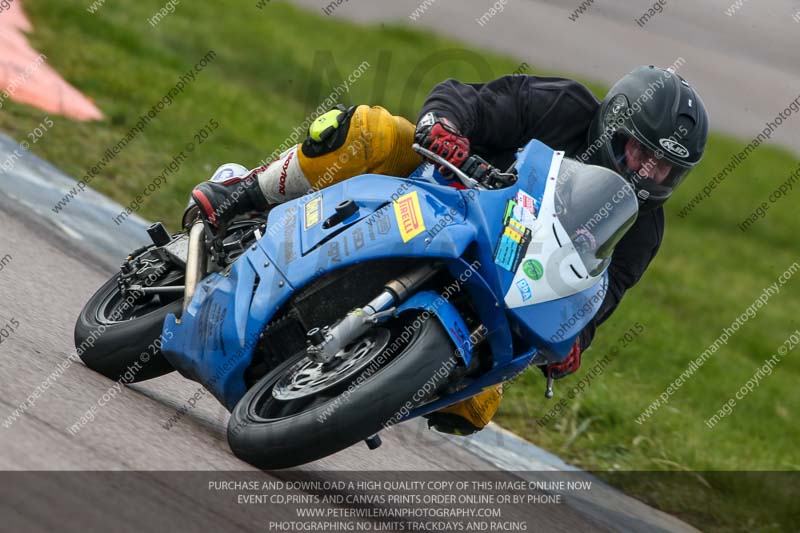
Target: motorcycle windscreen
[{"x": 596, "y": 207}]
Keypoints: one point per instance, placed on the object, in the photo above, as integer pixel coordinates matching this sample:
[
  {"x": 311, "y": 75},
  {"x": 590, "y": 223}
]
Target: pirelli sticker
[
  {"x": 409, "y": 216},
  {"x": 312, "y": 213}
]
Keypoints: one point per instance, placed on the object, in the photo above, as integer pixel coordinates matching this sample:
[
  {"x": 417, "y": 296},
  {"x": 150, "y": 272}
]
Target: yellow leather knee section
[
  {"x": 377, "y": 143},
  {"x": 478, "y": 410}
]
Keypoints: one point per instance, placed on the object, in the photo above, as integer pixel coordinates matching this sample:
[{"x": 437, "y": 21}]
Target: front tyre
[{"x": 292, "y": 416}]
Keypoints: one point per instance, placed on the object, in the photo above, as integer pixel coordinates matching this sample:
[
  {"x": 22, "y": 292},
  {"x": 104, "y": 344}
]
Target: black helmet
[{"x": 652, "y": 128}]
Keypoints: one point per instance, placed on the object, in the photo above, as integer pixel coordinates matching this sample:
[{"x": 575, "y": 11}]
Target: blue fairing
[
  {"x": 447, "y": 315},
  {"x": 214, "y": 341}
]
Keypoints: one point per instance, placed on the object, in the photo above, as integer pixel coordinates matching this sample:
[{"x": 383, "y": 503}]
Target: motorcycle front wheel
[{"x": 303, "y": 411}]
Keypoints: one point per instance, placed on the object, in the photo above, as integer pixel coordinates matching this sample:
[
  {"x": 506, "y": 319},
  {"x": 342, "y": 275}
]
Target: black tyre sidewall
[
  {"x": 120, "y": 347},
  {"x": 302, "y": 438}
]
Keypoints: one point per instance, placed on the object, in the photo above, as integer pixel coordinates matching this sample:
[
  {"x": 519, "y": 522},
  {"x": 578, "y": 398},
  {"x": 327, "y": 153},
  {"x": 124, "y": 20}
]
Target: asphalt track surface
[
  {"x": 744, "y": 66},
  {"x": 52, "y": 266}
]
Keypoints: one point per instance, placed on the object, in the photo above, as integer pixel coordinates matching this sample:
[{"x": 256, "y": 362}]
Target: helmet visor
[{"x": 649, "y": 171}]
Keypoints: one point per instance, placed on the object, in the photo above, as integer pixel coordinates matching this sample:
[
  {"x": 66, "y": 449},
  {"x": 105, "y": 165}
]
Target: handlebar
[
  {"x": 436, "y": 158},
  {"x": 483, "y": 175}
]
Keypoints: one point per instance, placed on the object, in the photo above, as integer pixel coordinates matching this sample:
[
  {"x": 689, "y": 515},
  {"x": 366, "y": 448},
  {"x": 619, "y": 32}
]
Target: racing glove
[
  {"x": 568, "y": 366},
  {"x": 442, "y": 137}
]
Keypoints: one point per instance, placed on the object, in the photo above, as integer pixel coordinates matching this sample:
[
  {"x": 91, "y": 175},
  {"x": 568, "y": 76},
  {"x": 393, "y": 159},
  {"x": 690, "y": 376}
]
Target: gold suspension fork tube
[{"x": 195, "y": 262}]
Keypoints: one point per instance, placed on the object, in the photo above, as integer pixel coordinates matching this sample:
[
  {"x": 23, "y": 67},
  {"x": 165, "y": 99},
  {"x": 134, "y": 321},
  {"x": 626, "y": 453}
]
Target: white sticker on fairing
[
  {"x": 551, "y": 268},
  {"x": 427, "y": 170},
  {"x": 525, "y": 210}
]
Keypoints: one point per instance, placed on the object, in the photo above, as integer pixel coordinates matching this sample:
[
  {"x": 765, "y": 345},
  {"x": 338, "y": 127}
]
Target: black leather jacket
[{"x": 500, "y": 116}]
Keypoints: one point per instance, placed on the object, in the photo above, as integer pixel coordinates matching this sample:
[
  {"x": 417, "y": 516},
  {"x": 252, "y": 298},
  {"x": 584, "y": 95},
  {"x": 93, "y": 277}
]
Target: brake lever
[{"x": 436, "y": 158}]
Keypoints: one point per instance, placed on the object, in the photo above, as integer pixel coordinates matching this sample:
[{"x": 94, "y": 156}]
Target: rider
[{"x": 651, "y": 128}]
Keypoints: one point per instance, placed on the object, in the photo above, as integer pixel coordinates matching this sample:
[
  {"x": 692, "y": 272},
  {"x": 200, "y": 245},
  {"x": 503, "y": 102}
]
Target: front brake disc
[{"x": 307, "y": 377}]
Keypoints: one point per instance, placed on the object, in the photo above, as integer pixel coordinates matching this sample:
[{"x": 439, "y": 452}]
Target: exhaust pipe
[{"x": 195, "y": 261}]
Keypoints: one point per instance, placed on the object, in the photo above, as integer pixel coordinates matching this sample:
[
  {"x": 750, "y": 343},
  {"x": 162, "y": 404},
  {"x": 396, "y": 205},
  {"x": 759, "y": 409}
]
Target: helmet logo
[{"x": 674, "y": 147}]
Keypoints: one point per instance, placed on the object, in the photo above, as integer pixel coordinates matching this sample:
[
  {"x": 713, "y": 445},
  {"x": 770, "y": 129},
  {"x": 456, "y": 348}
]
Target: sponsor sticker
[
  {"x": 514, "y": 240},
  {"x": 526, "y": 201},
  {"x": 533, "y": 269},
  {"x": 312, "y": 213},
  {"x": 513, "y": 233},
  {"x": 409, "y": 216},
  {"x": 525, "y": 209},
  {"x": 524, "y": 290},
  {"x": 515, "y": 224}
]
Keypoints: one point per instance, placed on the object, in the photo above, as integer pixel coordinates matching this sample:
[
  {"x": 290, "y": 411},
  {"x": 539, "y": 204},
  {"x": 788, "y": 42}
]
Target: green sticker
[
  {"x": 509, "y": 212},
  {"x": 533, "y": 269}
]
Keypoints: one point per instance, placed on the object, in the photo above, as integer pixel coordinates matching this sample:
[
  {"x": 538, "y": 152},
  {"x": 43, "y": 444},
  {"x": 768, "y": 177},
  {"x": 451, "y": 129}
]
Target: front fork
[{"x": 325, "y": 343}]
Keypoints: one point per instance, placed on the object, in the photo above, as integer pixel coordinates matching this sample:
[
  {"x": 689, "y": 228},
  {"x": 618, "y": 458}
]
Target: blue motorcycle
[{"x": 370, "y": 302}]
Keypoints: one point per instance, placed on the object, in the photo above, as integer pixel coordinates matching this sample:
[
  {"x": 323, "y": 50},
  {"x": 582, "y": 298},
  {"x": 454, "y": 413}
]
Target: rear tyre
[
  {"x": 122, "y": 339},
  {"x": 271, "y": 433}
]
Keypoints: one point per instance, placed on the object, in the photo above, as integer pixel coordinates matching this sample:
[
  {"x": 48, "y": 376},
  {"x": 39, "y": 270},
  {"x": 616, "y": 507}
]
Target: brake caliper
[{"x": 134, "y": 271}]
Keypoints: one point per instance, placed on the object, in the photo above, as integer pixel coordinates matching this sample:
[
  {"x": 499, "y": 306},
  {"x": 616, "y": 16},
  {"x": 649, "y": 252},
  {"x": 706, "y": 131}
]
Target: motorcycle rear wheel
[{"x": 121, "y": 340}]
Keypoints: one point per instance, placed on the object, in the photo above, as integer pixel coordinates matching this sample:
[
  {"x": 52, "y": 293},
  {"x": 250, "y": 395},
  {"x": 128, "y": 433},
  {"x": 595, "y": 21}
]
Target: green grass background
[{"x": 275, "y": 65}]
